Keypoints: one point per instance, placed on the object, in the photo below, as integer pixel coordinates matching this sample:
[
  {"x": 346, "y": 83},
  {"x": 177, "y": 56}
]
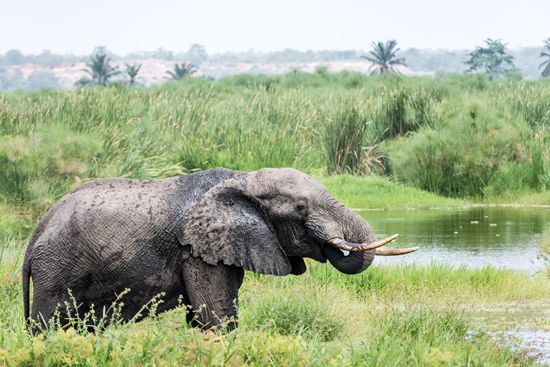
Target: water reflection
[{"x": 477, "y": 237}]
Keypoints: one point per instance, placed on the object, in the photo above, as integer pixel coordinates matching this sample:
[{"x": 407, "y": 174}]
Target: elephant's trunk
[
  {"x": 354, "y": 257},
  {"x": 354, "y": 263},
  {"x": 349, "y": 227}
]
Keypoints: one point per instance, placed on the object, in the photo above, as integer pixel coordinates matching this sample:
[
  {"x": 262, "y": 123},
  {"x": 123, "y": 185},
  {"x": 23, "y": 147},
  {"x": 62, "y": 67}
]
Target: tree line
[
  {"x": 492, "y": 58},
  {"x": 100, "y": 71}
]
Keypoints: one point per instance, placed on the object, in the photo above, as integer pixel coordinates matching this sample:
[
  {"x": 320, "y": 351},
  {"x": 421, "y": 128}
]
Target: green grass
[
  {"x": 439, "y": 285},
  {"x": 545, "y": 250},
  {"x": 360, "y": 192},
  {"x": 379, "y": 193},
  {"x": 403, "y": 315},
  {"x": 533, "y": 198},
  {"x": 451, "y": 136}
]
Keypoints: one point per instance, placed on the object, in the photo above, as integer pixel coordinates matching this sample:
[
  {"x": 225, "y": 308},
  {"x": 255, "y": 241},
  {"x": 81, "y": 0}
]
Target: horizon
[
  {"x": 72, "y": 27},
  {"x": 252, "y": 50}
]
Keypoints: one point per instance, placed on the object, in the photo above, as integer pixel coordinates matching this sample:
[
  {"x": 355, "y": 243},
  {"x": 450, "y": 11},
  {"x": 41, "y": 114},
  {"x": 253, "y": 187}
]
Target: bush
[{"x": 460, "y": 158}]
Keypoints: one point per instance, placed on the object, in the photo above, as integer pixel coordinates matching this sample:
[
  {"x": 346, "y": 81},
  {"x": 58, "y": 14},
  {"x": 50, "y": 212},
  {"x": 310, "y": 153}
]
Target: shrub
[{"x": 460, "y": 158}]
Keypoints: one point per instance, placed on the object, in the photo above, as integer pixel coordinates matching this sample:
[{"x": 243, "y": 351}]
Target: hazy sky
[{"x": 76, "y": 26}]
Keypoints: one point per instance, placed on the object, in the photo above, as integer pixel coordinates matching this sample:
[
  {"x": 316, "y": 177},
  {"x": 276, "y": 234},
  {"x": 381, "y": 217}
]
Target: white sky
[{"x": 77, "y": 26}]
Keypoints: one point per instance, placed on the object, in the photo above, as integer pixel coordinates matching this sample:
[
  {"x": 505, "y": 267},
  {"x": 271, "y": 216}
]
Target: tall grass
[
  {"x": 403, "y": 110},
  {"x": 344, "y": 138},
  {"x": 311, "y": 320},
  {"x": 532, "y": 102},
  {"x": 468, "y": 155},
  {"x": 440, "y": 134}
]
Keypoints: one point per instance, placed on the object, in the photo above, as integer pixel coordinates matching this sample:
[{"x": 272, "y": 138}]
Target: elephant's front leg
[{"x": 212, "y": 291}]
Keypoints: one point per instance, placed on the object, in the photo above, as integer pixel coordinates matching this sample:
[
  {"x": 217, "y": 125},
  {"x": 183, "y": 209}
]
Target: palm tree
[
  {"x": 132, "y": 71},
  {"x": 100, "y": 69},
  {"x": 180, "y": 71},
  {"x": 383, "y": 57},
  {"x": 546, "y": 63}
]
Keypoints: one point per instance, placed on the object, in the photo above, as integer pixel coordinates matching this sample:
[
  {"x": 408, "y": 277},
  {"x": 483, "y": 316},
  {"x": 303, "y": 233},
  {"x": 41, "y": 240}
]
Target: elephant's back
[
  {"x": 110, "y": 223},
  {"x": 104, "y": 229},
  {"x": 114, "y": 223},
  {"x": 114, "y": 234}
]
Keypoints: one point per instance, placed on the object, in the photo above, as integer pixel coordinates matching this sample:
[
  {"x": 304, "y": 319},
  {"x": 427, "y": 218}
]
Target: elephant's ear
[{"x": 227, "y": 226}]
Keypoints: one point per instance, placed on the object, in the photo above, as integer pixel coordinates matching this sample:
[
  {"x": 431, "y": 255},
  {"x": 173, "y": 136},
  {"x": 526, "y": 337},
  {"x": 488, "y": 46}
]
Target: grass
[
  {"x": 378, "y": 193},
  {"x": 545, "y": 249},
  {"x": 344, "y": 136},
  {"x": 458, "y": 137},
  {"x": 403, "y": 315},
  {"x": 533, "y": 198}
]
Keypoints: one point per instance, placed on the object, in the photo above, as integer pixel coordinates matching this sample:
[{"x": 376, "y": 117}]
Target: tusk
[
  {"x": 385, "y": 241},
  {"x": 395, "y": 251},
  {"x": 355, "y": 247}
]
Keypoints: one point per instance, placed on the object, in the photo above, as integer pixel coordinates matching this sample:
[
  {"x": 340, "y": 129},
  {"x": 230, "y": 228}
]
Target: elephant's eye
[{"x": 301, "y": 207}]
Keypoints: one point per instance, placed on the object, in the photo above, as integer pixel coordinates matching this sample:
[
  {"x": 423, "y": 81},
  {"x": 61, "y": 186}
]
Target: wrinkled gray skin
[{"x": 190, "y": 237}]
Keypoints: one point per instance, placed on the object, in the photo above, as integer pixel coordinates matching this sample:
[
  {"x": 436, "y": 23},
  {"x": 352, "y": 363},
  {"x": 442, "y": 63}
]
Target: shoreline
[{"x": 464, "y": 207}]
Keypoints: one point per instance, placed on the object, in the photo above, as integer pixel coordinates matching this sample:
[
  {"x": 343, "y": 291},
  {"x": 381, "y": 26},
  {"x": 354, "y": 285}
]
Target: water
[
  {"x": 518, "y": 325},
  {"x": 500, "y": 237}
]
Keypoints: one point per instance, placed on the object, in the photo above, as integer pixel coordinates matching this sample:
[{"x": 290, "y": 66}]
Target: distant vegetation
[
  {"x": 182, "y": 70},
  {"x": 100, "y": 70},
  {"x": 383, "y": 57},
  {"x": 132, "y": 71},
  {"x": 527, "y": 61},
  {"x": 545, "y": 54},
  {"x": 492, "y": 59}
]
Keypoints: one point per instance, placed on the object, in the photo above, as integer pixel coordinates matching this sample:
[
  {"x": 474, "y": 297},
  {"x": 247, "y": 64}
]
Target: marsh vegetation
[{"x": 375, "y": 142}]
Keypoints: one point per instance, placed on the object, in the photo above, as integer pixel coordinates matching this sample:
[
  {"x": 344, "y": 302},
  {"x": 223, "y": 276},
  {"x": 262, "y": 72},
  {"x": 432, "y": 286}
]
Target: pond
[
  {"x": 501, "y": 237},
  {"x": 483, "y": 236}
]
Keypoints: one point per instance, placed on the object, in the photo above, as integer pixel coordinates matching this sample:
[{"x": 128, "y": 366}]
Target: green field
[
  {"x": 374, "y": 142},
  {"x": 389, "y": 316}
]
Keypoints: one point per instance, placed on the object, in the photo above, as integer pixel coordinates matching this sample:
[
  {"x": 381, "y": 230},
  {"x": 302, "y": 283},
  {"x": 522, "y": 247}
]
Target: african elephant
[{"x": 189, "y": 238}]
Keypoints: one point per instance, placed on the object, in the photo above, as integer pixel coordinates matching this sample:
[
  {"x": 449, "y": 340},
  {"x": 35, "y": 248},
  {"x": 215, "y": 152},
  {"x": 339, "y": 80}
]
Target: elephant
[{"x": 187, "y": 240}]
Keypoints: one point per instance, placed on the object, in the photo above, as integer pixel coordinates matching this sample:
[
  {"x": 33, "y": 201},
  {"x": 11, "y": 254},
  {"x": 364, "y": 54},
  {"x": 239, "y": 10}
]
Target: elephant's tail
[{"x": 26, "y": 277}]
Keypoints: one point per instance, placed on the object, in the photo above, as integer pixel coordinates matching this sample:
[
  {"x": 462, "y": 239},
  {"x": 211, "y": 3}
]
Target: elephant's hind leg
[
  {"x": 212, "y": 291},
  {"x": 50, "y": 310}
]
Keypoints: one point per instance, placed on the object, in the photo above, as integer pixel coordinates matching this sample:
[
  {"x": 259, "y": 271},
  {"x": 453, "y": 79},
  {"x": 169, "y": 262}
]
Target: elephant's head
[{"x": 269, "y": 220}]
